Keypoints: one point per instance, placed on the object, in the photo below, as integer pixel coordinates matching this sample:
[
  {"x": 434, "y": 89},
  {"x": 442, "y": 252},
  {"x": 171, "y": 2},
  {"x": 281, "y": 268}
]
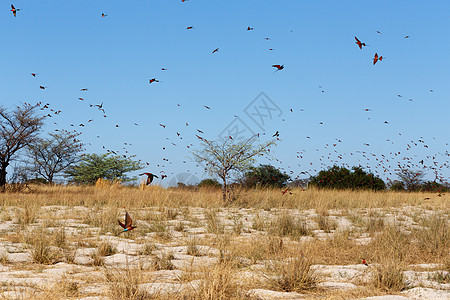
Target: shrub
[
  {"x": 265, "y": 176},
  {"x": 397, "y": 186},
  {"x": 343, "y": 178},
  {"x": 433, "y": 186},
  {"x": 209, "y": 183}
]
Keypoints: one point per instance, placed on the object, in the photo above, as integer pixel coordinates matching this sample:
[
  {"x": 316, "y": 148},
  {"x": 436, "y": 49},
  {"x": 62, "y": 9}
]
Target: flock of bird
[{"x": 385, "y": 165}]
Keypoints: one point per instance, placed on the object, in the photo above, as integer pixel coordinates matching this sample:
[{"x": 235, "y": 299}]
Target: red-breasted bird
[
  {"x": 364, "y": 262},
  {"x": 14, "y": 10},
  {"x": 279, "y": 67},
  {"x": 33, "y": 74},
  {"x": 359, "y": 43},
  {"x": 189, "y": 27},
  {"x": 376, "y": 58},
  {"x": 149, "y": 177},
  {"x": 249, "y": 28},
  {"x": 153, "y": 80},
  {"x": 128, "y": 223},
  {"x": 103, "y": 15}
]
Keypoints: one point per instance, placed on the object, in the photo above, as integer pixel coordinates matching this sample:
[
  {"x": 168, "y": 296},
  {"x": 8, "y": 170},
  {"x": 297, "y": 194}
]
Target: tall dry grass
[{"x": 115, "y": 195}]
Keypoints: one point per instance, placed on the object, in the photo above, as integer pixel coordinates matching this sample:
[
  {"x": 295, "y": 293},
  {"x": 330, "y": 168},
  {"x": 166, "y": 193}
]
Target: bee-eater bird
[
  {"x": 14, "y": 10},
  {"x": 127, "y": 226},
  {"x": 149, "y": 177},
  {"x": 279, "y": 67}
]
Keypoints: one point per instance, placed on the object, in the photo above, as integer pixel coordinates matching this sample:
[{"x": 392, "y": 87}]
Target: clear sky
[{"x": 326, "y": 78}]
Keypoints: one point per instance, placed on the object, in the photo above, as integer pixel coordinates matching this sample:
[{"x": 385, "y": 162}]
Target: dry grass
[
  {"x": 388, "y": 275},
  {"x": 282, "y": 241},
  {"x": 121, "y": 196},
  {"x": 293, "y": 274},
  {"x": 217, "y": 283},
  {"x": 124, "y": 284},
  {"x": 288, "y": 225}
]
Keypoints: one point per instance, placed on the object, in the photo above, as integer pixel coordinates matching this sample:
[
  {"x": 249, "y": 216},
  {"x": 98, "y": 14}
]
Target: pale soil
[{"x": 168, "y": 233}]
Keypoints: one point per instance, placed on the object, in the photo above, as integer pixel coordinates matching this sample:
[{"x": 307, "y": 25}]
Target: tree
[
  {"x": 18, "y": 128},
  {"x": 397, "y": 186},
  {"x": 265, "y": 176},
  {"x": 209, "y": 183},
  {"x": 412, "y": 179},
  {"x": 91, "y": 167},
  {"x": 227, "y": 157},
  {"x": 51, "y": 156},
  {"x": 343, "y": 178}
]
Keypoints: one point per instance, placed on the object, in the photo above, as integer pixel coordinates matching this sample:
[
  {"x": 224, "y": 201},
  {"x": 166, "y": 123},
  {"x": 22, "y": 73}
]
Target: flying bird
[
  {"x": 33, "y": 74},
  {"x": 42, "y": 87},
  {"x": 14, "y": 10},
  {"x": 207, "y": 107},
  {"x": 376, "y": 58},
  {"x": 276, "y": 134},
  {"x": 128, "y": 223},
  {"x": 153, "y": 80},
  {"x": 103, "y": 15},
  {"x": 84, "y": 90},
  {"x": 359, "y": 43},
  {"x": 279, "y": 67},
  {"x": 249, "y": 28},
  {"x": 189, "y": 27},
  {"x": 215, "y": 50},
  {"x": 149, "y": 177}
]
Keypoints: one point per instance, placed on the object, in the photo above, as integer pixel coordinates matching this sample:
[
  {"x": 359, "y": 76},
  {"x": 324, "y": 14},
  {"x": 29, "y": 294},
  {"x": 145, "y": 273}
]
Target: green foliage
[
  {"x": 343, "y": 178},
  {"x": 397, "y": 186},
  {"x": 94, "y": 166},
  {"x": 433, "y": 186},
  {"x": 265, "y": 176},
  {"x": 209, "y": 183}
]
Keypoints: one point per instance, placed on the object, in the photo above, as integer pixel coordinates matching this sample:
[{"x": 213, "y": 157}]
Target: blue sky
[{"x": 70, "y": 47}]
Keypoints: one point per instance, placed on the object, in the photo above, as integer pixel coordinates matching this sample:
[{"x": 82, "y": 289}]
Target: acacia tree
[
  {"x": 94, "y": 166},
  {"x": 412, "y": 179},
  {"x": 18, "y": 128},
  {"x": 49, "y": 157},
  {"x": 227, "y": 157}
]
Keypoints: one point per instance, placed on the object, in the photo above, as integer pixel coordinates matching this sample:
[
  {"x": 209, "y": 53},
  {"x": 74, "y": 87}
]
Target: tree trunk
[
  {"x": 224, "y": 191},
  {"x": 3, "y": 178}
]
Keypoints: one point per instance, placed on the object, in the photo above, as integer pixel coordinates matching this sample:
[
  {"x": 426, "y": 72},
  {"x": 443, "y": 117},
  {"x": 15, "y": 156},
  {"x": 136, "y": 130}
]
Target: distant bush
[
  {"x": 433, "y": 186},
  {"x": 397, "y": 186},
  {"x": 209, "y": 183},
  {"x": 264, "y": 176},
  {"x": 37, "y": 181},
  {"x": 342, "y": 178}
]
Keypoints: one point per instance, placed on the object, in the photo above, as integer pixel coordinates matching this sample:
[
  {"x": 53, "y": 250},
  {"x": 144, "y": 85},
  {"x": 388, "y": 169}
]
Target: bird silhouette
[
  {"x": 149, "y": 177},
  {"x": 376, "y": 58},
  {"x": 128, "y": 223},
  {"x": 359, "y": 43},
  {"x": 279, "y": 67},
  {"x": 215, "y": 50},
  {"x": 14, "y": 10}
]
